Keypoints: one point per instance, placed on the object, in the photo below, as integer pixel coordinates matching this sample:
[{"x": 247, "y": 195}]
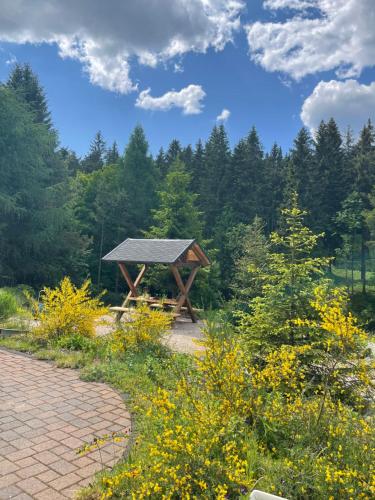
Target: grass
[{"x": 343, "y": 277}]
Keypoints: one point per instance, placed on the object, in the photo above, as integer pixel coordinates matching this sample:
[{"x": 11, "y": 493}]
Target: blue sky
[{"x": 261, "y": 81}]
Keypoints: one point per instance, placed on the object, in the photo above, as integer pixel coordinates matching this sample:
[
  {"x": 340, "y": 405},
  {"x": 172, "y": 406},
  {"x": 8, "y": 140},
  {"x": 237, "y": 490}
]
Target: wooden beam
[
  {"x": 133, "y": 286},
  {"x": 198, "y": 251},
  {"x": 184, "y": 291},
  {"x": 128, "y": 278}
]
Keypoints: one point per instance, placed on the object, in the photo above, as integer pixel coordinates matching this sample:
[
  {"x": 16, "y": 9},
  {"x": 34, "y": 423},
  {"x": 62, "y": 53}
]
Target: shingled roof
[{"x": 149, "y": 251}]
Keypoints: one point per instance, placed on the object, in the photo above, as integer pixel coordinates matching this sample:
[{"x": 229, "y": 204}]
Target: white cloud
[
  {"x": 288, "y": 4},
  {"x": 349, "y": 103},
  {"x": 224, "y": 115},
  {"x": 188, "y": 99},
  {"x": 105, "y": 36},
  {"x": 341, "y": 38}
]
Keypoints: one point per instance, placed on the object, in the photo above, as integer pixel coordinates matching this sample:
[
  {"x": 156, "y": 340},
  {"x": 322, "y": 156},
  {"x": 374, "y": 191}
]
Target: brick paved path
[{"x": 46, "y": 413}]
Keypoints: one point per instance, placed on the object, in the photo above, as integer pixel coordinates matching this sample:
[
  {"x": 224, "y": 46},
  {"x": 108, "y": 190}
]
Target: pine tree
[
  {"x": 178, "y": 216},
  {"x": 94, "y": 160},
  {"x": 26, "y": 85}
]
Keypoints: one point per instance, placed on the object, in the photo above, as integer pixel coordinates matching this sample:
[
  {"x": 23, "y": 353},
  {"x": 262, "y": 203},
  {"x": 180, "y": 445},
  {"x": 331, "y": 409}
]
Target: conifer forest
[{"x": 61, "y": 213}]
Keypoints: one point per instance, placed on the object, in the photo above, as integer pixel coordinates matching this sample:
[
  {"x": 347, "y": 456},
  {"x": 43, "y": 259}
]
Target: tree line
[{"x": 59, "y": 214}]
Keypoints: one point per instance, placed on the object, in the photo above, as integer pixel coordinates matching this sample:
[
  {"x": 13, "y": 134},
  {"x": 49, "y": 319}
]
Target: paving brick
[
  {"x": 9, "y": 492},
  {"x": 22, "y": 496},
  {"x": 31, "y": 471},
  {"x": 18, "y": 455},
  {"x": 49, "y": 494},
  {"x": 26, "y": 462},
  {"x": 6, "y": 467},
  {"x": 48, "y": 476},
  {"x": 31, "y": 485},
  {"x": 89, "y": 470},
  {"x": 21, "y": 443},
  {"x": 65, "y": 481},
  {"x": 49, "y": 444},
  {"x": 63, "y": 467},
  {"x": 8, "y": 480},
  {"x": 45, "y": 415}
]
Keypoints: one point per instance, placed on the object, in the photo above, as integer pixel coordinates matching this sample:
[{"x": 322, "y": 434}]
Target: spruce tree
[
  {"x": 112, "y": 155},
  {"x": 364, "y": 168},
  {"x": 291, "y": 273},
  {"x": 161, "y": 164},
  {"x": 173, "y": 152},
  {"x": 304, "y": 168},
  {"x": 94, "y": 160},
  {"x": 196, "y": 168},
  {"x": 187, "y": 156},
  {"x": 26, "y": 86},
  {"x": 246, "y": 178},
  {"x": 139, "y": 179},
  {"x": 215, "y": 176},
  {"x": 177, "y": 215},
  {"x": 70, "y": 160},
  {"x": 40, "y": 238},
  {"x": 331, "y": 186},
  {"x": 273, "y": 187}
]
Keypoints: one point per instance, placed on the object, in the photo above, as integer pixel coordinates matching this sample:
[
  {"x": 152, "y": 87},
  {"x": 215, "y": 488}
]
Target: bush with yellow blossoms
[
  {"x": 145, "y": 327},
  {"x": 67, "y": 310},
  {"x": 281, "y": 403},
  {"x": 230, "y": 424}
]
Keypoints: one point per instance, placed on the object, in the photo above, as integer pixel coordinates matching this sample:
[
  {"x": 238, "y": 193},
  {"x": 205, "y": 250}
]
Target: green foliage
[
  {"x": 26, "y": 86},
  {"x": 177, "y": 215},
  {"x": 38, "y": 232},
  {"x": 251, "y": 252},
  {"x": 94, "y": 160},
  {"x": 138, "y": 178},
  {"x": 8, "y": 305},
  {"x": 291, "y": 274}
]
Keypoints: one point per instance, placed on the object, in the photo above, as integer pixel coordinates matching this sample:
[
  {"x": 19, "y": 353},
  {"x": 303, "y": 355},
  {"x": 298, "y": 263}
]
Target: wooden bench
[{"x": 118, "y": 309}]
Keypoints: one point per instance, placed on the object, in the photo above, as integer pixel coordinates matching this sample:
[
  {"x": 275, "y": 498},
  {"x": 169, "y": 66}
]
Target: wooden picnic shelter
[{"x": 173, "y": 253}]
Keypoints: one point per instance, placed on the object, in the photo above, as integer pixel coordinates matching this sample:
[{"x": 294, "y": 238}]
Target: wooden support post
[
  {"x": 184, "y": 291},
  {"x": 133, "y": 286}
]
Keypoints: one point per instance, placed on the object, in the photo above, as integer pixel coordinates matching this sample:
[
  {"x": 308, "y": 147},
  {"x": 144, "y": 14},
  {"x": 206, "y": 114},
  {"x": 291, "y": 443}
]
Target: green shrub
[{"x": 8, "y": 305}]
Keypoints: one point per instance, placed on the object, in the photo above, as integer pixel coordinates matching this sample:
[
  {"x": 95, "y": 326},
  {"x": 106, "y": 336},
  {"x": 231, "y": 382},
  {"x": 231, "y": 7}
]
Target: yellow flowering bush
[
  {"x": 67, "y": 310},
  {"x": 231, "y": 423},
  {"x": 146, "y": 326},
  {"x": 339, "y": 346}
]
